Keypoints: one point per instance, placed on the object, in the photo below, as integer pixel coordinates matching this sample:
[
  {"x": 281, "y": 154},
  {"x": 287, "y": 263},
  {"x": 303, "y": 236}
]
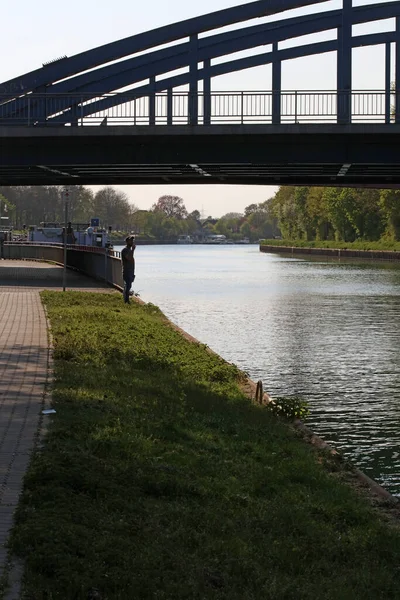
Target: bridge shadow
[
  {"x": 18, "y": 356},
  {"x": 43, "y": 276},
  {"x": 23, "y": 375}
]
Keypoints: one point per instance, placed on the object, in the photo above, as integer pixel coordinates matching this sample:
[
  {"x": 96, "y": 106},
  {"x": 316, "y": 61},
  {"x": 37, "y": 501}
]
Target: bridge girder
[
  {"x": 274, "y": 154},
  {"x": 189, "y": 54},
  {"x": 159, "y": 62},
  {"x": 113, "y": 51},
  {"x": 241, "y": 155}
]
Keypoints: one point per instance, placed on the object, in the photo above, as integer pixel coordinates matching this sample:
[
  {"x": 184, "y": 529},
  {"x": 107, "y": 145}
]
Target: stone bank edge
[{"x": 333, "y": 252}]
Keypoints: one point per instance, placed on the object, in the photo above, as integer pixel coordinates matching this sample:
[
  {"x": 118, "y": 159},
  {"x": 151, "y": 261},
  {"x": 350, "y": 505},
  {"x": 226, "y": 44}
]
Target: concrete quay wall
[{"x": 333, "y": 252}]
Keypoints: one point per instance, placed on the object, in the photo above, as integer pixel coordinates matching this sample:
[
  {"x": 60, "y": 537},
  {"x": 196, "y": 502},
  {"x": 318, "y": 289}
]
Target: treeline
[
  {"x": 169, "y": 218},
  {"x": 36, "y": 204},
  {"x": 297, "y": 213},
  {"x": 340, "y": 214},
  {"x": 166, "y": 220}
]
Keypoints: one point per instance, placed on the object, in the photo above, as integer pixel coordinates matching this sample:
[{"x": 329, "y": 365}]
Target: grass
[
  {"x": 158, "y": 479},
  {"x": 360, "y": 245}
]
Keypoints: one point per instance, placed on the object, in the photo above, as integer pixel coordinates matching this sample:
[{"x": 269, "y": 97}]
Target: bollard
[{"x": 259, "y": 392}]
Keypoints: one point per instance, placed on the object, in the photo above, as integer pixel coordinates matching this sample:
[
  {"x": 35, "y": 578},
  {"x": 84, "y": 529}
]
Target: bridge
[{"x": 116, "y": 114}]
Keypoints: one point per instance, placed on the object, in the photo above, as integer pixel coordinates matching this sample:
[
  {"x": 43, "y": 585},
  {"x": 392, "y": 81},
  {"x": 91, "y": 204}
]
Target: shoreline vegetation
[
  {"x": 305, "y": 214},
  {"x": 379, "y": 246},
  {"x": 342, "y": 215},
  {"x": 158, "y": 478},
  {"x": 163, "y": 222}
]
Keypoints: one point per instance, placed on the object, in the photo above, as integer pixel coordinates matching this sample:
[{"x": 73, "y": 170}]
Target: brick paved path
[{"x": 23, "y": 372}]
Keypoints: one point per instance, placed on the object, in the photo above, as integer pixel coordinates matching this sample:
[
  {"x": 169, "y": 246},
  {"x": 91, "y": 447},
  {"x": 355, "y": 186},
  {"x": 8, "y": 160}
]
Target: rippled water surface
[{"x": 327, "y": 331}]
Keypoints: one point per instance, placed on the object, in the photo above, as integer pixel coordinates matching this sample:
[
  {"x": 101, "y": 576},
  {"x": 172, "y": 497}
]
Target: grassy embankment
[
  {"x": 361, "y": 245},
  {"x": 159, "y": 479}
]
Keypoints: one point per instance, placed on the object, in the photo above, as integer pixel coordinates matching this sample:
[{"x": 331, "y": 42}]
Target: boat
[
  {"x": 215, "y": 239},
  {"x": 5, "y": 236},
  {"x": 184, "y": 239},
  {"x": 77, "y": 234}
]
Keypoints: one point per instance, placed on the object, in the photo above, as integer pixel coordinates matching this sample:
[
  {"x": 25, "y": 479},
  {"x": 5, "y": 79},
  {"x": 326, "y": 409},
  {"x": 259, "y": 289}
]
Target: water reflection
[{"x": 323, "y": 329}]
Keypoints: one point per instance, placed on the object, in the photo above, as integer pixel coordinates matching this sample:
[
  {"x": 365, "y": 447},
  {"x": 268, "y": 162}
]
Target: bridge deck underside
[
  {"x": 34, "y": 275},
  {"x": 246, "y": 174},
  {"x": 364, "y": 155}
]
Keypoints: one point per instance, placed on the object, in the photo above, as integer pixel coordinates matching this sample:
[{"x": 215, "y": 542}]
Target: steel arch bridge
[{"x": 128, "y": 89}]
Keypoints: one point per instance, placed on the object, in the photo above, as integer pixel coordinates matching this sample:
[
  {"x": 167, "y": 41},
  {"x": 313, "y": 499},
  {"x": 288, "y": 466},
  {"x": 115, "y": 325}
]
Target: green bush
[{"x": 289, "y": 407}]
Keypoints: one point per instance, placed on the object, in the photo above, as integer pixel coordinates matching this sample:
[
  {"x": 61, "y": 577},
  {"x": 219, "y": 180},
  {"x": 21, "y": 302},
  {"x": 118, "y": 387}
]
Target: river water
[{"x": 325, "y": 330}]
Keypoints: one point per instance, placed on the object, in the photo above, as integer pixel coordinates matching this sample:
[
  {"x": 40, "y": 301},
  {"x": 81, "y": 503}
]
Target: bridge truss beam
[
  {"x": 193, "y": 50},
  {"x": 367, "y": 155}
]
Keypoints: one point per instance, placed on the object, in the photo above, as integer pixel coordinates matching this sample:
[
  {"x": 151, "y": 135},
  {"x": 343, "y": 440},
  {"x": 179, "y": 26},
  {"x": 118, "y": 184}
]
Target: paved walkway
[{"x": 23, "y": 371}]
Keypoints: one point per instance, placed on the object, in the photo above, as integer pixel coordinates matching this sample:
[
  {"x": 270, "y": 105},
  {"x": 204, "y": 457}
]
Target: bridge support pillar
[
  {"x": 276, "y": 86},
  {"x": 152, "y": 102},
  {"x": 74, "y": 115},
  {"x": 39, "y": 109},
  {"x": 207, "y": 92},
  {"x": 388, "y": 83},
  {"x": 170, "y": 106},
  {"x": 344, "y": 65},
  {"x": 397, "y": 85},
  {"x": 193, "y": 108}
]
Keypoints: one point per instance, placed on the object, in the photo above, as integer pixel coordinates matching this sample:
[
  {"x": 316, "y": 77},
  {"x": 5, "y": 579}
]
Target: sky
[{"x": 38, "y": 32}]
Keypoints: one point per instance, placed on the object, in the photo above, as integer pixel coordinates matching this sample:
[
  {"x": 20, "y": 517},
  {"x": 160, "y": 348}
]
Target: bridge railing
[
  {"x": 184, "y": 108},
  {"x": 99, "y": 263}
]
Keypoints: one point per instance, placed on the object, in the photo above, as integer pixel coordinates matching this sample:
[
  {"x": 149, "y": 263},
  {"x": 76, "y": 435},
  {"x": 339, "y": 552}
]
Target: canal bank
[
  {"x": 323, "y": 329},
  {"x": 158, "y": 478},
  {"x": 332, "y": 252}
]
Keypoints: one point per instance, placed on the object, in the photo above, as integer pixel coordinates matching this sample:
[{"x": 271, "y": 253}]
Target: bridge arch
[{"x": 89, "y": 83}]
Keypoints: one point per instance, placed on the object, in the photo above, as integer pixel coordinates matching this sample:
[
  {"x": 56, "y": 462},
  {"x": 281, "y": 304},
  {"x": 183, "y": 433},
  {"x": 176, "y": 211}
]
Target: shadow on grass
[{"x": 158, "y": 480}]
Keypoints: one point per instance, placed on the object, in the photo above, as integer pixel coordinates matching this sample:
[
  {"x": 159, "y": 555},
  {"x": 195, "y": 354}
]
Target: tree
[
  {"x": 346, "y": 214},
  {"x": 390, "y": 205},
  {"x": 232, "y": 216},
  {"x": 336, "y": 212},
  {"x": 155, "y": 224},
  {"x": 229, "y": 224},
  {"x": 250, "y": 209},
  {"x": 7, "y": 209},
  {"x": 195, "y": 215},
  {"x": 140, "y": 221},
  {"x": 285, "y": 210},
  {"x": 36, "y": 204},
  {"x": 304, "y": 223},
  {"x": 246, "y": 230},
  {"x": 355, "y": 212},
  {"x": 81, "y": 204},
  {"x": 372, "y": 220},
  {"x": 113, "y": 208},
  {"x": 316, "y": 208},
  {"x": 171, "y": 206}
]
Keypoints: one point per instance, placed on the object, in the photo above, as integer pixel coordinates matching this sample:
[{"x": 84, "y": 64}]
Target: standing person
[
  {"x": 71, "y": 239},
  {"x": 128, "y": 266}
]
